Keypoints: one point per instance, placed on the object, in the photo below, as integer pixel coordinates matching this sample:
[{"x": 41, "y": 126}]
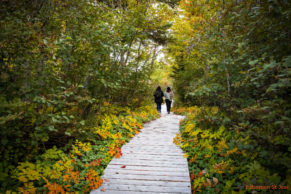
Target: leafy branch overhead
[
  {"x": 232, "y": 59},
  {"x": 77, "y": 79},
  {"x": 65, "y": 65}
]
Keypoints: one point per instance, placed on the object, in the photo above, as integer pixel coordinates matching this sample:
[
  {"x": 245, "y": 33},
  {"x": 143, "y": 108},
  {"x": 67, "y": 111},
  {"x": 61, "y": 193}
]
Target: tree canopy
[
  {"x": 78, "y": 74},
  {"x": 235, "y": 55}
]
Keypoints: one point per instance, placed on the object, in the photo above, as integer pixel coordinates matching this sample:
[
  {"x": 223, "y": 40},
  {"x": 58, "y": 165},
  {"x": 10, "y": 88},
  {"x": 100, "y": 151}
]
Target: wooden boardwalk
[{"x": 151, "y": 162}]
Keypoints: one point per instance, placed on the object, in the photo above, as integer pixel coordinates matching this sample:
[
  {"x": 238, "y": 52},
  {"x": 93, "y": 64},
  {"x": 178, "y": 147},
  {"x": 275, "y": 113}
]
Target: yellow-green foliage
[
  {"x": 65, "y": 65},
  {"x": 80, "y": 168},
  {"x": 221, "y": 159}
]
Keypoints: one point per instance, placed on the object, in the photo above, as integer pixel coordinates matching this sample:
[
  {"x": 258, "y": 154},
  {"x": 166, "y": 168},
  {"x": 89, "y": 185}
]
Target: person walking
[
  {"x": 159, "y": 98},
  {"x": 169, "y": 98}
]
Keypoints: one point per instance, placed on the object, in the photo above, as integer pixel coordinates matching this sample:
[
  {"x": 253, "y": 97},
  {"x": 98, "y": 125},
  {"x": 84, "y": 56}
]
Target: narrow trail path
[{"x": 151, "y": 162}]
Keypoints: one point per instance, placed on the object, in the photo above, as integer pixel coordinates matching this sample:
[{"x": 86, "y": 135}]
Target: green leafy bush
[
  {"x": 77, "y": 167},
  {"x": 229, "y": 157}
]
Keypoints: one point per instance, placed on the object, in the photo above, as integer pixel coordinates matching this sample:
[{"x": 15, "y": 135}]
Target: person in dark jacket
[{"x": 159, "y": 98}]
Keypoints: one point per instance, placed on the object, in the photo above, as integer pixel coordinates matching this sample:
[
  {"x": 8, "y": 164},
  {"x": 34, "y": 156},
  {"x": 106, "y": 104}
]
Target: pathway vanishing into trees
[{"x": 151, "y": 162}]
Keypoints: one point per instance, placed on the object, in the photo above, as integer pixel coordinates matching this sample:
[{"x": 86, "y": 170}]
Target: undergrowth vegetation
[
  {"x": 75, "y": 77},
  {"x": 234, "y": 55},
  {"x": 78, "y": 167},
  {"x": 225, "y": 157}
]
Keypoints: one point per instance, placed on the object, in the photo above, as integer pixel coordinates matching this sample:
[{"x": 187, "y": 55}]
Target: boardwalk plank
[
  {"x": 147, "y": 177},
  {"x": 150, "y": 153},
  {"x": 146, "y": 172},
  {"x": 149, "y": 183},
  {"x": 150, "y": 156},
  {"x": 152, "y": 168},
  {"x": 125, "y": 192},
  {"x": 143, "y": 188},
  {"x": 155, "y": 159},
  {"x": 151, "y": 163}
]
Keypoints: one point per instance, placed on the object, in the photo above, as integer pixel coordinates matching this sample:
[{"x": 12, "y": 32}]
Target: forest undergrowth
[{"x": 77, "y": 80}]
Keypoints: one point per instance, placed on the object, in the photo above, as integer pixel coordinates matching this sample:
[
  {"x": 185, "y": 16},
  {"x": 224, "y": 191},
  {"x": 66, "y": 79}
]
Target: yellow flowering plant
[
  {"x": 79, "y": 166},
  {"x": 216, "y": 155}
]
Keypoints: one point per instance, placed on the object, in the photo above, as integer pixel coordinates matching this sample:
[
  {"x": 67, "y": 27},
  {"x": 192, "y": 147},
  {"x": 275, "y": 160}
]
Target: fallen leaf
[
  {"x": 103, "y": 190},
  {"x": 123, "y": 166},
  {"x": 106, "y": 180}
]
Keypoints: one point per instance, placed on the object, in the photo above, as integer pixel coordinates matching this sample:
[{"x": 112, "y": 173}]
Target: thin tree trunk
[
  {"x": 128, "y": 51},
  {"x": 226, "y": 69},
  {"x": 228, "y": 81}
]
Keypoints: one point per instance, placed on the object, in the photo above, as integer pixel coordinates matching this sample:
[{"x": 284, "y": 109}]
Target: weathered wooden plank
[
  {"x": 123, "y": 192},
  {"x": 154, "y": 150},
  {"x": 149, "y": 162},
  {"x": 152, "y": 168},
  {"x": 155, "y": 156},
  {"x": 147, "y": 177},
  {"x": 148, "y": 182},
  {"x": 150, "y": 153},
  {"x": 170, "y": 147},
  {"x": 144, "y": 188},
  {"x": 151, "y": 147},
  {"x": 169, "y": 144},
  {"x": 161, "y": 159},
  {"x": 150, "y": 165},
  {"x": 146, "y": 172},
  {"x": 164, "y": 158},
  {"x": 151, "y": 137}
]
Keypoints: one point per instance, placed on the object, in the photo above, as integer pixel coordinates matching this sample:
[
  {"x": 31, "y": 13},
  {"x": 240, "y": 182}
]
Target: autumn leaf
[
  {"x": 191, "y": 176},
  {"x": 123, "y": 166},
  {"x": 103, "y": 190}
]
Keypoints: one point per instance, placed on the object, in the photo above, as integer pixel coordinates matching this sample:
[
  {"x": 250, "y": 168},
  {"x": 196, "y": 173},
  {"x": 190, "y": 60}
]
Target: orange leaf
[
  {"x": 106, "y": 180},
  {"x": 103, "y": 190},
  {"x": 192, "y": 176},
  {"x": 123, "y": 166}
]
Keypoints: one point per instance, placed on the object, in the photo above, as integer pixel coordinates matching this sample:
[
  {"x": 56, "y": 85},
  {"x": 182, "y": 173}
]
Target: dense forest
[
  {"x": 75, "y": 84},
  {"x": 77, "y": 80},
  {"x": 232, "y": 63}
]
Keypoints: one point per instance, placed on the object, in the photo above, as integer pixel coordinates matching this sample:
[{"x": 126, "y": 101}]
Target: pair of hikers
[{"x": 159, "y": 98}]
